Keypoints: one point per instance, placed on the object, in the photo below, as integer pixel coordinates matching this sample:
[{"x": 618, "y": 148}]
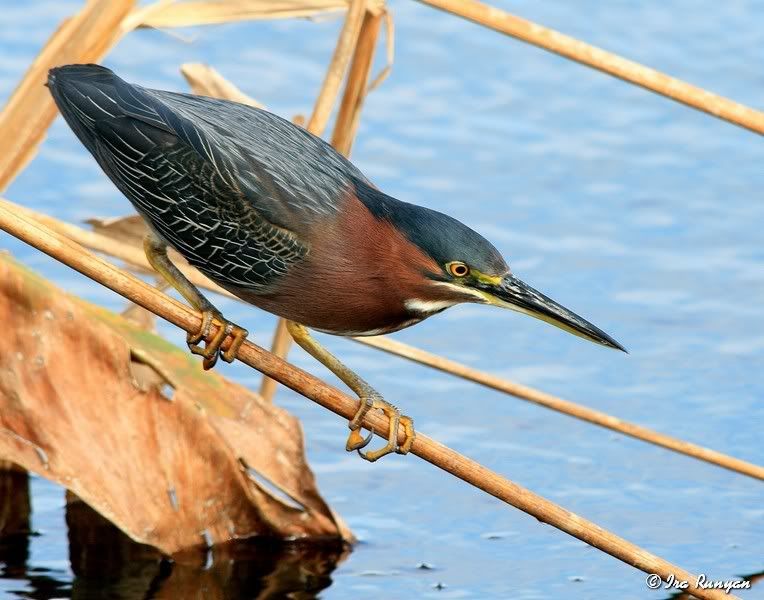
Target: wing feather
[{"x": 193, "y": 181}]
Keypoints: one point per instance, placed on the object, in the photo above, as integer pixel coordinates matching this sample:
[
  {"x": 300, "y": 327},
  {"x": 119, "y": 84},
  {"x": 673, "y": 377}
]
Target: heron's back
[{"x": 233, "y": 188}]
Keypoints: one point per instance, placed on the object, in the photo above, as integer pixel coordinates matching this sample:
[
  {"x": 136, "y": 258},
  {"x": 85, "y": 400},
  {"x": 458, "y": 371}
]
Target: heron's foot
[
  {"x": 211, "y": 350},
  {"x": 356, "y": 441}
]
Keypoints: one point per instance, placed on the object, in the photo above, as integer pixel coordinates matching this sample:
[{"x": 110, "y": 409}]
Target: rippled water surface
[{"x": 636, "y": 212}]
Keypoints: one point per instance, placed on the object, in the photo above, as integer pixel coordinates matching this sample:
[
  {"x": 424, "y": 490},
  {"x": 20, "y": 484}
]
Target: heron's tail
[{"x": 84, "y": 94}]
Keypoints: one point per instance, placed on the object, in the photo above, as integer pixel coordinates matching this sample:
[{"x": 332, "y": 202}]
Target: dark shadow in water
[
  {"x": 15, "y": 508},
  {"x": 15, "y": 532},
  {"x": 108, "y": 564}
]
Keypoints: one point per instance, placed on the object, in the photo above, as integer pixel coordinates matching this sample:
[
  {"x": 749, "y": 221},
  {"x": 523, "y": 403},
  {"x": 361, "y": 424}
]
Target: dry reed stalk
[
  {"x": 389, "y": 52},
  {"x": 280, "y": 345},
  {"x": 180, "y": 315},
  {"x": 349, "y": 114},
  {"x": 607, "y": 62},
  {"x": 85, "y": 37},
  {"x": 212, "y": 12},
  {"x": 337, "y": 67},
  {"x": 206, "y": 81},
  {"x": 136, "y": 258}
]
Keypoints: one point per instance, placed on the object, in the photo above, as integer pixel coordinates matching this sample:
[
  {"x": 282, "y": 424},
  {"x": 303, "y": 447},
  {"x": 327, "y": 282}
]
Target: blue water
[{"x": 638, "y": 213}]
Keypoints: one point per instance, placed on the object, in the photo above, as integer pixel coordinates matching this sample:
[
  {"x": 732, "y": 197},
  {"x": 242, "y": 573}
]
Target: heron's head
[{"x": 471, "y": 269}]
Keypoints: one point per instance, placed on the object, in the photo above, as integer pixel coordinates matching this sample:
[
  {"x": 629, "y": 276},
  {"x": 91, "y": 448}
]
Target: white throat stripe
[{"x": 428, "y": 306}]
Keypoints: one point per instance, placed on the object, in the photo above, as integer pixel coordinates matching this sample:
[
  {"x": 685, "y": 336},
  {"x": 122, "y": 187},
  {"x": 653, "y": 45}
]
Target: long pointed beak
[{"x": 516, "y": 295}]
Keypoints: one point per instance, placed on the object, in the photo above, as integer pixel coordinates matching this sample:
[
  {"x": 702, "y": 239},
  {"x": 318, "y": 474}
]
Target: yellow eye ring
[{"x": 458, "y": 269}]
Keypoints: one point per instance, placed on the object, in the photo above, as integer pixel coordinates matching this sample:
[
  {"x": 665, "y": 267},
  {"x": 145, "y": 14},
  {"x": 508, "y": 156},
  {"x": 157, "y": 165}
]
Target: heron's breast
[{"x": 361, "y": 276}]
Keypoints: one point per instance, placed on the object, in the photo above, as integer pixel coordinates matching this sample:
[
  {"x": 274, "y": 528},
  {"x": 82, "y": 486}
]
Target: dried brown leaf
[{"x": 213, "y": 464}]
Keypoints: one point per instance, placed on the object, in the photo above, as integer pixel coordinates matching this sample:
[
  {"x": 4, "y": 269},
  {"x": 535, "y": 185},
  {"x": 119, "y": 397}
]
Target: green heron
[{"x": 276, "y": 216}]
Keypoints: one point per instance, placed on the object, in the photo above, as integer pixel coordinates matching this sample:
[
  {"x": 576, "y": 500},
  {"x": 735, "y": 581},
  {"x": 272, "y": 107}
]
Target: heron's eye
[{"x": 458, "y": 269}]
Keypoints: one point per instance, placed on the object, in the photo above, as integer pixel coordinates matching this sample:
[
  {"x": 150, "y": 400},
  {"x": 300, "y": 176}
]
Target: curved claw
[
  {"x": 396, "y": 419},
  {"x": 356, "y": 441},
  {"x": 211, "y": 350}
]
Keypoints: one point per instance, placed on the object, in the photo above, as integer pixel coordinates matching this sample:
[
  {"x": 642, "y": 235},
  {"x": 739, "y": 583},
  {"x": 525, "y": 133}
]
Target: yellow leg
[
  {"x": 156, "y": 253},
  {"x": 369, "y": 397}
]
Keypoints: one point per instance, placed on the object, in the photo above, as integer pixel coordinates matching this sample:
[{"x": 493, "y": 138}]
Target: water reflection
[
  {"x": 15, "y": 508},
  {"x": 108, "y": 564}
]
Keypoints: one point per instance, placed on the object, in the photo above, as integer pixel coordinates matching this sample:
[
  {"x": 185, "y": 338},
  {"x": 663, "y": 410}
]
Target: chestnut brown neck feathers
[{"x": 359, "y": 278}]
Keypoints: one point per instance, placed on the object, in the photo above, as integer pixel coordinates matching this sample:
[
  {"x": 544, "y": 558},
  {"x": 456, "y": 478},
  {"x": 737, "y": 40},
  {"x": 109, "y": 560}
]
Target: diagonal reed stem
[
  {"x": 337, "y": 68},
  {"x": 141, "y": 293},
  {"x": 602, "y": 60},
  {"x": 136, "y": 257},
  {"x": 349, "y": 114}
]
